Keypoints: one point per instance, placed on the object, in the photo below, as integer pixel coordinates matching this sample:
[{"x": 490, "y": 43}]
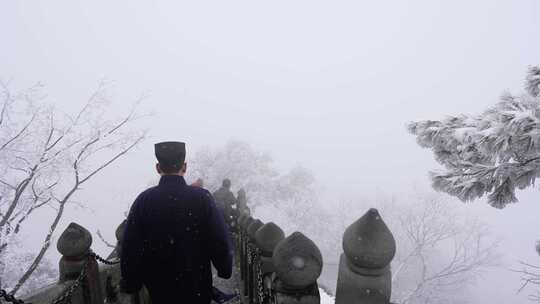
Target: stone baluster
[
  {"x": 74, "y": 245},
  {"x": 251, "y": 276},
  {"x": 298, "y": 264},
  {"x": 267, "y": 238},
  {"x": 364, "y": 268}
]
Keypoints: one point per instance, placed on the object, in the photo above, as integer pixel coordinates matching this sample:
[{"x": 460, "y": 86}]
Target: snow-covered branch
[
  {"x": 493, "y": 153},
  {"x": 46, "y": 155}
]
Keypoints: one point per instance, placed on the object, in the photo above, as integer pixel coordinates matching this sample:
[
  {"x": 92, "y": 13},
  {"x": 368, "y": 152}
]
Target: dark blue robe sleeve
[
  {"x": 132, "y": 250},
  {"x": 221, "y": 251}
]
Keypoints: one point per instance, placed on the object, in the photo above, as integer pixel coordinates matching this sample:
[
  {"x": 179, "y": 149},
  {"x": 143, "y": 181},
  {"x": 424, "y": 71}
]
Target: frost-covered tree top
[
  {"x": 255, "y": 172},
  {"x": 488, "y": 154}
]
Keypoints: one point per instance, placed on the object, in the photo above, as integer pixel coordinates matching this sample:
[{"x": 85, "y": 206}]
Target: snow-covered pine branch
[{"x": 488, "y": 154}]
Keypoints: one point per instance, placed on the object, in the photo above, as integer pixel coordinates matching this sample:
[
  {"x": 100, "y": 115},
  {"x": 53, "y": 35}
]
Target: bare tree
[
  {"x": 440, "y": 251},
  {"x": 530, "y": 275},
  {"x": 107, "y": 243},
  {"x": 255, "y": 172},
  {"x": 19, "y": 257},
  {"x": 46, "y": 156}
]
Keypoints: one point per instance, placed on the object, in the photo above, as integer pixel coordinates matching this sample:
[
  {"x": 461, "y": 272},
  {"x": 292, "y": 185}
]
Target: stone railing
[
  {"x": 84, "y": 277},
  {"x": 284, "y": 270},
  {"x": 273, "y": 268}
]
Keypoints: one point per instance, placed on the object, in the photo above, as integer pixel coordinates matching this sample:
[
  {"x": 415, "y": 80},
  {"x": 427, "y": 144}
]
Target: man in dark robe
[
  {"x": 174, "y": 232},
  {"x": 226, "y": 199}
]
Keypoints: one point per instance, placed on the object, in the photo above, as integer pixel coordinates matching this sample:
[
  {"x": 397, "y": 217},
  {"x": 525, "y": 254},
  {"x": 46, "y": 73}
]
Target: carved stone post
[
  {"x": 251, "y": 276},
  {"x": 298, "y": 264},
  {"x": 364, "y": 268},
  {"x": 267, "y": 238},
  {"x": 74, "y": 245}
]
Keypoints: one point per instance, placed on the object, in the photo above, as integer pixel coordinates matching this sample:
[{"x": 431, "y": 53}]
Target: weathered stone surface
[
  {"x": 74, "y": 241},
  {"x": 368, "y": 243},
  {"x": 365, "y": 289},
  {"x": 308, "y": 295},
  {"x": 298, "y": 261},
  {"x": 267, "y": 238},
  {"x": 253, "y": 227},
  {"x": 92, "y": 284}
]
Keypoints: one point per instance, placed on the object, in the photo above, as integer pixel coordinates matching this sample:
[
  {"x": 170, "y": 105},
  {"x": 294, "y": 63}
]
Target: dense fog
[{"x": 304, "y": 105}]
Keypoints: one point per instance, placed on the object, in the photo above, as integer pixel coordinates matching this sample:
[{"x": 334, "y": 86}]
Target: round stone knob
[
  {"x": 267, "y": 237},
  {"x": 253, "y": 227},
  {"x": 74, "y": 241},
  {"x": 368, "y": 243},
  {"x": 120, "y": 231},
  {"x": 298, "y": 261}
]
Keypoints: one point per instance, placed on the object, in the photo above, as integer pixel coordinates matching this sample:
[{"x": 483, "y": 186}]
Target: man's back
[
  {"x": 225, "y": 198},
  {"x": 225, "y": 195},
  {"x": 172, "y": 234}
]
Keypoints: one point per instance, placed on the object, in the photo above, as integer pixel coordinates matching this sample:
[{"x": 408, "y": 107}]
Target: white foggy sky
[{"x": 327, "y": 84}]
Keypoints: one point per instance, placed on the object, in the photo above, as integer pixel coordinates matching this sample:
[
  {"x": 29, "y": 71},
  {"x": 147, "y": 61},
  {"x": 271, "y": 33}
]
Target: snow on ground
[{"x": 326, "y": 298}]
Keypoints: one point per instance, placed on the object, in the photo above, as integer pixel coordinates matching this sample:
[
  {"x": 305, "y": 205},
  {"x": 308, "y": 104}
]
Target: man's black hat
[{"x": 170, "y": 153}]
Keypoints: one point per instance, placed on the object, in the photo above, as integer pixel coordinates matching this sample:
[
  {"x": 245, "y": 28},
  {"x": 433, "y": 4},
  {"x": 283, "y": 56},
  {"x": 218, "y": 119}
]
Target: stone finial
[
  {"x": 267, "y": 238},
  {"x": 298, "y": 261},
  {"x": 75, "y": 241},
  {"x": 368, "y": 243},
  {"x": 74, "y": 245},
  {"x": 119, "y": 233},
  {"x": 364, "y": 266},
  {"x": 253, "y": 227},
  {"x": 538, "y": 246}
]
